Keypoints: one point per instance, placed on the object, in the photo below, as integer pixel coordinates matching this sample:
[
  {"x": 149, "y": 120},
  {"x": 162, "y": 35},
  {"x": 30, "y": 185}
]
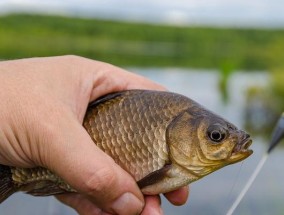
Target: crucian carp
[{"x": 163, "y": 139}]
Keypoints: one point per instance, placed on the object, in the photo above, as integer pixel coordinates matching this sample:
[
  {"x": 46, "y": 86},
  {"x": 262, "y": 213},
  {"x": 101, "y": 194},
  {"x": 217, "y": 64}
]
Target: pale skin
[{"x": 43, "y": 102}]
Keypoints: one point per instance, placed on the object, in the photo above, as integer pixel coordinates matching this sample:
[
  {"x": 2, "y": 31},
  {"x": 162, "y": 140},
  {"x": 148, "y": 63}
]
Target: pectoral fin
[
  {"x": 154, "y": 177},
  {"x": 169, "y": 178}
]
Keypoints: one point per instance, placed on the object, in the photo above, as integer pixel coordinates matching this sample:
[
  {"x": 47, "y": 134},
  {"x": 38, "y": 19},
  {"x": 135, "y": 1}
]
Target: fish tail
[{"x": 7, "y": 187}]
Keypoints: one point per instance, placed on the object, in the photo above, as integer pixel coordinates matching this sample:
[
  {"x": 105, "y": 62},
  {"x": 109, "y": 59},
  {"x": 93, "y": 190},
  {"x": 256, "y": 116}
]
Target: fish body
[{"x": 163, "y": 139}]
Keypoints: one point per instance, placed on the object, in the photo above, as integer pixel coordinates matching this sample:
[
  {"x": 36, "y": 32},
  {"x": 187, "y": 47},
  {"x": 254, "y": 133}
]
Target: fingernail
[{"x": 127, "y": 204}]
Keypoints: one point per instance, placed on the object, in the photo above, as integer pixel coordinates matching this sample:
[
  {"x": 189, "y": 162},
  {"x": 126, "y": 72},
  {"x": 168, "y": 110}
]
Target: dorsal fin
[{"x": 104, "y": 99}]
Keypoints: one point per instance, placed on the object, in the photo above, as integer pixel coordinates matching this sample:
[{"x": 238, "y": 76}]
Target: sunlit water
[{"x": 215, "y": 193}]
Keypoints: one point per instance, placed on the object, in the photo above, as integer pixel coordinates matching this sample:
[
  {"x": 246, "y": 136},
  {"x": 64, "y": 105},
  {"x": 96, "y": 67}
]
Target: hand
[{"x": 43, "y": 103}]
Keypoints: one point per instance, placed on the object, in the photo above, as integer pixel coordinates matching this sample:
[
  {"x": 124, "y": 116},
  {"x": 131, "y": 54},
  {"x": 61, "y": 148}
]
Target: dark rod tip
[{"x": 277, "y": 135}]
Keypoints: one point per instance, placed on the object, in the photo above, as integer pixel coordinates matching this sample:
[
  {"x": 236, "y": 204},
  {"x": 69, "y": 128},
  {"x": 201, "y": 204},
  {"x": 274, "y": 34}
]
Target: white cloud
[{"x": 259, "y": 12}]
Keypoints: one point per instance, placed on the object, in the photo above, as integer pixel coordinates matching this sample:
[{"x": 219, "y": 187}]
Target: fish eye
[{"x": 216, "y": 133}]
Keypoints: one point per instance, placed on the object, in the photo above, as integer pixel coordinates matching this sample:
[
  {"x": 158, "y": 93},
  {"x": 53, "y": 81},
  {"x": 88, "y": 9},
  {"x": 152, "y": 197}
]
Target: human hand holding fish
[
  {"x": 162, "y": 140},
  {"x": 43, "y": 103}
]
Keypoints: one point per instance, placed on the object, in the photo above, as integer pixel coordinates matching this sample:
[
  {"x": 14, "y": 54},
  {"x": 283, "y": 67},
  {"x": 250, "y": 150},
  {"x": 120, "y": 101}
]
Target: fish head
[
  {"x": 221, "y": 141},
  {"x": 203, "y": 142}
]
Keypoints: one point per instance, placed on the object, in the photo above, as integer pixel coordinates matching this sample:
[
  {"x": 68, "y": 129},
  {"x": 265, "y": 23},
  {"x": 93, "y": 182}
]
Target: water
[{"x": 214, "y": 194}]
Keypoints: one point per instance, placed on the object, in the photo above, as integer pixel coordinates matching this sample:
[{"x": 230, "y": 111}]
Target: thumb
[{"x": 79, "y": 162}]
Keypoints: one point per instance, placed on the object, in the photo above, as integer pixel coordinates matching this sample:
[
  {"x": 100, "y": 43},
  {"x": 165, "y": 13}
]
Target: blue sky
[{"x": 267, "y": 13}]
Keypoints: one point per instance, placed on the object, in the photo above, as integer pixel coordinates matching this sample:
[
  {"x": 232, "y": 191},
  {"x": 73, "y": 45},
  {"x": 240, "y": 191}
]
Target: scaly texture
[
  {"x": 131, "y": 128},
  {"x": 27, "y": 176}
]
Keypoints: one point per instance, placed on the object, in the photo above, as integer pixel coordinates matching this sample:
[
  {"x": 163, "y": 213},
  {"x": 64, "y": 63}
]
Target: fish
[{"x": 164, "y": 140}]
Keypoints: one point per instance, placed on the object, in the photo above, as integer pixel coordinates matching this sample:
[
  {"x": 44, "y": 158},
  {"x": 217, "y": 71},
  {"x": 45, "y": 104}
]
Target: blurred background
[{"x": 226, "y": 55}]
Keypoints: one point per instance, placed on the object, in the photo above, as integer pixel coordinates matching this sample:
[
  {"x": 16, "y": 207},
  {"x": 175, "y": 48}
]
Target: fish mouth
[{"x": 241, "y": 150}]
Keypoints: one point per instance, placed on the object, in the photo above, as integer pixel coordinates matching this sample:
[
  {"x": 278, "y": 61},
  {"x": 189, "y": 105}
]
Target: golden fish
[{"x": 164, "y": 140}]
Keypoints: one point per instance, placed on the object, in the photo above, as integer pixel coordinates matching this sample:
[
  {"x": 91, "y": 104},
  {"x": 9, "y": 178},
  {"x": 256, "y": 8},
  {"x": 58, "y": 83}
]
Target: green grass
[{"x": 143, "y": 45}]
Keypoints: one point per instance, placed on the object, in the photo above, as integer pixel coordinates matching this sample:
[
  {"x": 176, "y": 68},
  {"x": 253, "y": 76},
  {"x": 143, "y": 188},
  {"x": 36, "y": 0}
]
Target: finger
[
  {"x": 178, "y": 197},
  {"x": 81, "y": 204},
  {"x": 90, "y": 171},
  {"x": 152, "y": 206},
  {"x": 109, "y": 78}
]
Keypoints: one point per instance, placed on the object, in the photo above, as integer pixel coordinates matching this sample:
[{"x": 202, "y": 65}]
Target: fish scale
[
  {"x": 150, "y": 146},
  {"x": 23, "y": 176}
]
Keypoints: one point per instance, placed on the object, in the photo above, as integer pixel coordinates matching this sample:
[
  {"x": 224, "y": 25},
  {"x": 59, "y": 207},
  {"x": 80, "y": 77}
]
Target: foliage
[
  {"x": 225, "y": 71},
  {"x": 277, "y": 88},
  {"x": 265, "y": 104},
  {"x": 136, "y": 44}
]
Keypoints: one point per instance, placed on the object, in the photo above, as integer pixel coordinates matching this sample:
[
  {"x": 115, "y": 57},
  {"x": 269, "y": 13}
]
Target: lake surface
[{"x": 214, "y": 194}]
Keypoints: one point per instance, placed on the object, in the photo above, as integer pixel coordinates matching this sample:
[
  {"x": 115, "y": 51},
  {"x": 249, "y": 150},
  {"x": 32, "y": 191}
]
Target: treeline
[{"x": 141, "y": 45}]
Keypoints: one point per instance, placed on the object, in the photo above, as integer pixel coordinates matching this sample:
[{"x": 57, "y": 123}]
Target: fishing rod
[{"x": 277, "y": 135}]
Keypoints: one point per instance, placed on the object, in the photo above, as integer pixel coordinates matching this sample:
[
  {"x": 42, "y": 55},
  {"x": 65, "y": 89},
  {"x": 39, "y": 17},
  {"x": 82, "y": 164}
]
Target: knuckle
[
  {"x": 101, "y": 181},
  {"x": 70, "y": 57}
]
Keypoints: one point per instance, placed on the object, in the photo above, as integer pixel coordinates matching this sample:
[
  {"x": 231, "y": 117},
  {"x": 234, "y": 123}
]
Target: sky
[{"x": 251, "y": 13}]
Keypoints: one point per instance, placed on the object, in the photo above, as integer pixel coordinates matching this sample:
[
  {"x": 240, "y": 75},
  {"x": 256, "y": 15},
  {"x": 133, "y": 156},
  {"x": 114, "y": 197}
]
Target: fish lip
[
  {"x": 241, "y": 151},
  {"x": 243, "y": 146}
]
